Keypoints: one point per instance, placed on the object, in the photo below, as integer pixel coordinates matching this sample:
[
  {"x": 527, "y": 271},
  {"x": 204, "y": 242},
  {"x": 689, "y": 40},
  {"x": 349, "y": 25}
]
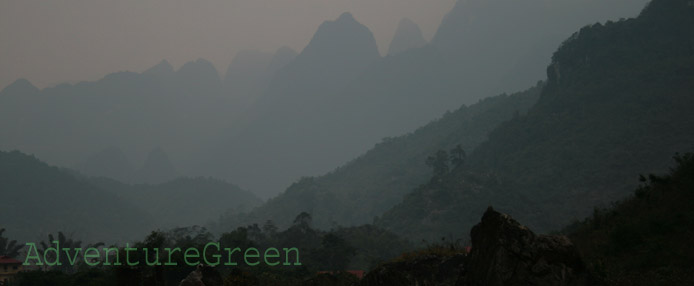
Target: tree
[
  {"x": 438, "y": 162},
  {"x": 303, "y": 219},
  {"x": 335, "y": 253},
  {"x": 65, "y": 243},
  {"x": 458, "y": 156},
  {"x": 269, "y": 228},
  {"x": 9, "y": 247}
]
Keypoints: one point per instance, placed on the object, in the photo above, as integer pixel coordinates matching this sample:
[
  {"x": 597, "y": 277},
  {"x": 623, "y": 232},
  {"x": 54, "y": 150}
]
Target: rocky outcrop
[{"x": 505, "y": 252}]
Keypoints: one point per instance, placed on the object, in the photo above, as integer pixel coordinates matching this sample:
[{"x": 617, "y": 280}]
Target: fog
[
  {"x": 50, "y": 42},
  {"x": 287, "y": 106}
]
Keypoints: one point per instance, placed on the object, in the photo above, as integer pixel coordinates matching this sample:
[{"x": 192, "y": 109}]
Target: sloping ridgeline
[
  {"x": 645, "y": 239},
  {"x": 618, "y": 102},
  {"x": 182, "y": 201},
  {"x": 36, "y": 199},
  {"x": 371, "y": 184}
]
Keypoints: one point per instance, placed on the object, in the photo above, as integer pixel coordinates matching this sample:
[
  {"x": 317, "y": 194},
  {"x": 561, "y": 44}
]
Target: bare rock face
[
  {"x": 203, "y": 276},
  {"x": 505, "y": 252}
]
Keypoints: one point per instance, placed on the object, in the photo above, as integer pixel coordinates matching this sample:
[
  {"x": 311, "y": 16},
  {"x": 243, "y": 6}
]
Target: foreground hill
[
  {"x": 183, "y": 201},
  {"x": 38, "y": 199},
  {"x": 369, "y": 185},
  {"x": 645, "y": 239},
  {"x": 618, "y": 101}
]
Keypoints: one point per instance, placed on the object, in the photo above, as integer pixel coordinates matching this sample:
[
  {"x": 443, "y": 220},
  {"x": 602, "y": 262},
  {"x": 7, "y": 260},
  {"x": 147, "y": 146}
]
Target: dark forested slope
[
  {"x": 367, "y": 186},
  {"x": 37, "y": 199},
  {"x": 619, "y": 100}
]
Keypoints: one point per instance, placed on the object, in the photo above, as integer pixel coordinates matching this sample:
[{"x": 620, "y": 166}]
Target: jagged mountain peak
[
  {"x": 247, "y": 61},
  {"x": 282, "y": 57},
  {"x": 157, "y": 168},
  {"x": 163, "y": 68},
  {"x": 408, "y": 36},
  {"x": 346, "y": 16},
  {"x": 20, "y": 86},
  {"x": 110, "y": 162},
  {"x": 344, "y": 38},
  {"x": 200, "y": 71}
]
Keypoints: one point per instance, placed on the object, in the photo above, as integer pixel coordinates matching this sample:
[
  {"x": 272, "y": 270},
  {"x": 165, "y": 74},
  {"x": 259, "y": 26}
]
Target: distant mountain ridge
[
  {"x": 613, "y": 108},
  {"x": 369, "y": 185},
  {"x": 293, "y": 119},
  {"x": 407, "y": 36},
  {"x": 38, "y": 199}
]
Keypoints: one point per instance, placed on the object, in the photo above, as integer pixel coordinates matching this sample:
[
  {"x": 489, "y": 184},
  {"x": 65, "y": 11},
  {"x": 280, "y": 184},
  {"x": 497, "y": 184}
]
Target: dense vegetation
[
  {"x": 39, "y": 198},
  {"x": 617, "y": 102},
  {"x": 647, "y": 238},
  {"x": 36, "y": 196},
  {"x": 371, "y": 184},
  {"x": 354, "y": 248}
]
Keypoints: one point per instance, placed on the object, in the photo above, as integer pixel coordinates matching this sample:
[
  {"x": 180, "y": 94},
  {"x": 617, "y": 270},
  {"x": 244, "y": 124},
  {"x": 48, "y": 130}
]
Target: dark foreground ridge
[{"x": 503, "y": 252}]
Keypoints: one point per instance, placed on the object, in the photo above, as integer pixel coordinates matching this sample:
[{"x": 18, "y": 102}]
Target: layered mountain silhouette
[
  {"x": 407, "y": 36},
  {"x": 293, "y": 124},
  {"x": 20, "y": 87},
  {"x": 369, "y": 185},
  {"x": 66, "y": 124},
  {"x": 40, "y": 199},
  {"x": 250, "y": 73},
  {"x": 315, "y": 111},
  {"x": 337, "y": 196},
  {"x": 183, "y": 201},
  {"x": 110, "y": 163},
  {"x": 339, "y": 96},
  {"x": 37, "y": 198},
  {"x": 157, "y": 168},
  {"x": 162, "y": 70},
  {"x": 612, "y": 109},
  {"x": 282, "y": 57}
]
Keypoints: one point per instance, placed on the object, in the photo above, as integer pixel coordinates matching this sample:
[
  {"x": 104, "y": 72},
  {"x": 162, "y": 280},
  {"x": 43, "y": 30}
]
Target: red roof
[
  {"x": 9, "y": 260},
  {"x": 358, "y": 273}
]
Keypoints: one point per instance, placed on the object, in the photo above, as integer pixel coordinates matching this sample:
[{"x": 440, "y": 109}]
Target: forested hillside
[
  {"x": 645, "y": 239},
  {"x": 618, "y": 101},
  {"x": 37, "y": 199},
  {"x": 369, "y": 185}
]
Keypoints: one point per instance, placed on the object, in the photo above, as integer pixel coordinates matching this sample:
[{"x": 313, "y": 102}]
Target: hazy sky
[{"x": 53, "y": 41}]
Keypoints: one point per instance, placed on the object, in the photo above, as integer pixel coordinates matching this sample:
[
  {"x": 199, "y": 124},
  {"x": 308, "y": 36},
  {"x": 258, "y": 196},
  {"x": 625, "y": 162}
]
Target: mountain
[
  {"x": 163, "y": 70},
  {"x": 156, "y": 169},
  {"x": 407, "y": 36},
  {"x": 282, "y": 57},
  {"x": 182, "y": 201},
  {"x": 19, "y": 87},
  {"x": 182, "y": 110},
  {"x": 631, "y": 242},
  {"x": 374, "y": 182},
  {"x": 306, "y": 135},
  {"x": 111, "y": 163},
  {"x": 245, "y": 78},
  {"x": 290, "y": 130},
  {"x": 617, "y": 102},
  {"x": 250, "y": 73},
  {"x": 485, "y": 40},
  {"x": 38, "y": 199}
]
